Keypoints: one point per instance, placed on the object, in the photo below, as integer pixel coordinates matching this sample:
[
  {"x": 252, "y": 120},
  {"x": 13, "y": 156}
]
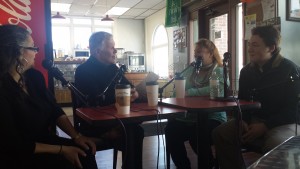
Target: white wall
[
  {"x": 290, "y": 42},
  {"x": 151, "y": 23},
  {"x": 129, "y": 34}
]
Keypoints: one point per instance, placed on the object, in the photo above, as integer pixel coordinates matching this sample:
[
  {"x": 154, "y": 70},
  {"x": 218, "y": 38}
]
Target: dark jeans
[
  {"x": 134, "y": 143},
  {"x": 177, "y": 132}
]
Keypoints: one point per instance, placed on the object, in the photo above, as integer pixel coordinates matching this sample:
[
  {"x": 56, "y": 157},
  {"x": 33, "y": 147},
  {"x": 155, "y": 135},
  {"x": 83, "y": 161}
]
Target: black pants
[
  {"x": 50, "y": 161},
  {"x": 177, "y": 132},
  {"x": 132, "y": 147}
]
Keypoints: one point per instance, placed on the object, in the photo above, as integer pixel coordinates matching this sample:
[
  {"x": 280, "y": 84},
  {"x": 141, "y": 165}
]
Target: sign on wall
[
  {"x": 30, "y": 15},
  {"x": 173, "y": 13}
]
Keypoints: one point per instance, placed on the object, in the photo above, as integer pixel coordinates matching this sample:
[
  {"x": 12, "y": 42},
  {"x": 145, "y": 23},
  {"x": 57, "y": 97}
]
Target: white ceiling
[{"x": 139, "y": 9}]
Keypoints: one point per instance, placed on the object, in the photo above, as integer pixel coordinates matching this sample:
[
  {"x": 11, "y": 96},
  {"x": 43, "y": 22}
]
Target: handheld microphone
[
  {"x": 198, "y": 64},
  {"x": 54, "y": 71}
]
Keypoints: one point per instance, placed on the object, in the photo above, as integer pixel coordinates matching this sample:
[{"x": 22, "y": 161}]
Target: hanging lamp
[
  {"x": 107, "y": 18},
  {"x": 58, "y": 16}
]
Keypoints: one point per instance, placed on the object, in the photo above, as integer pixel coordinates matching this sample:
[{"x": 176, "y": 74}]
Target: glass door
[{"x": 218, "y": 32}]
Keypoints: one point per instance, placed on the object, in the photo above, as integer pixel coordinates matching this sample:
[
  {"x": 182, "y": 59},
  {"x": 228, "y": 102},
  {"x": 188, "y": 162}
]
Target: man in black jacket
[
  {"x": 267, "y": 79},
  {"x": 92, "y": 79}
]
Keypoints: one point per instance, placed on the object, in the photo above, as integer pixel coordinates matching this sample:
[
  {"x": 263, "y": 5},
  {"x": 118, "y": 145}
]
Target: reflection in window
[
  {"x": 74, "y": 33},
  {"x": 160, "y": 52},
  {"x": 61, "y": 45},
  {"x": 218, "y": 32},
  {"x": 81, "y": 37}
]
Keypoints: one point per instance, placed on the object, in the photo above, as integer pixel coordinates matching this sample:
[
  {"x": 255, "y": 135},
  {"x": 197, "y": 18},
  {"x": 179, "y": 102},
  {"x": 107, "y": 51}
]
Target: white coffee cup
[
  {"x": 122, "y": 93},
  {"x": 152, "y": 93},
  {"x": 180, "y": 87}
]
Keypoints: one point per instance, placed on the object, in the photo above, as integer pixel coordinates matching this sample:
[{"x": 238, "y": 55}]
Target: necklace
[{"x": 201, "y": 79}]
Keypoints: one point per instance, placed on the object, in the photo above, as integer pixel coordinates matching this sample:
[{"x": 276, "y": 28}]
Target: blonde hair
[{"x": 205, "y": 43}]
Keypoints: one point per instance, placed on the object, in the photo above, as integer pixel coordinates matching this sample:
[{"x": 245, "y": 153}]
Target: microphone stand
[
  {"x": 225, "y": 76},
  {"x": 59, "y": 76},
  {"x": 161, "y": 89},
  {"x": 225, "y": 64},
  {"x": 120, "y": 75}
]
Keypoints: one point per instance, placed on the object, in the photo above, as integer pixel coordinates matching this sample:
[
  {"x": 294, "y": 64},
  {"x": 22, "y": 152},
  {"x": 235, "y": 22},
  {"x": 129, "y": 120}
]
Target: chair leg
[
  {"x": 168, "y": 158},
  {"x": 115, "y": 158},
  {"x": 168, "y": 154}
]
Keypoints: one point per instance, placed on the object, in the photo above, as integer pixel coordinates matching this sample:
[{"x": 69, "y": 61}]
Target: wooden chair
[{"x": 77, "y": 122}]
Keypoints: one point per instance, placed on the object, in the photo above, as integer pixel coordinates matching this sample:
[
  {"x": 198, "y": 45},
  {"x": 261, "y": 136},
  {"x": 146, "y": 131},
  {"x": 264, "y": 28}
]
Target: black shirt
[
  {"x": 26, "y": 118},
  {"x": 93, "y": 77},
  {"x": 272, "y": 87}
]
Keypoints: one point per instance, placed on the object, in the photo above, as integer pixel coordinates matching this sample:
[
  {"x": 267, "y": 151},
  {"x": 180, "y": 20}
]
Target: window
[
  {"x": 74, "y": 33},
  {"x": 160, "y": 52},
  {"x": 81, "y": 37},
  {"x": 61, "y": 45}
]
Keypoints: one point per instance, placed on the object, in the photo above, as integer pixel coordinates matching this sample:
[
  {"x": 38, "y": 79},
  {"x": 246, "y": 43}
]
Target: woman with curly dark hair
[{"x": 29, "y": 110}]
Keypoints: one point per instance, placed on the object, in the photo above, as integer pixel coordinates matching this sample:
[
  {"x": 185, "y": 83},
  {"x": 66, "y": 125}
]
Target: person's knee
[
  {"x": 215, "y": 133},
  {"x": 169, "y": 132}
]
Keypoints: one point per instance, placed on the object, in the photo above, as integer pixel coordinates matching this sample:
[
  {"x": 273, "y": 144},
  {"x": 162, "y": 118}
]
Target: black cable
[
  {"x": 124, "y": 130},
  {"x": 158, "y": 126},
  {"x": 239, "y": 122}
]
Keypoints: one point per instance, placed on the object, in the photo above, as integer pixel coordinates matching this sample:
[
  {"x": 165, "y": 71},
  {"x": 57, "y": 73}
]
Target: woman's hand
[
  {"x": 86, "y": 143},
  {"x": 72, "y": 154}
]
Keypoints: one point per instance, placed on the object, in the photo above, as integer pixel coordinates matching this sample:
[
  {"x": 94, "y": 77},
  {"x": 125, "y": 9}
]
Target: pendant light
[
  {"x": 58, "y": 16},
  {"x": 107, "y": 18}
]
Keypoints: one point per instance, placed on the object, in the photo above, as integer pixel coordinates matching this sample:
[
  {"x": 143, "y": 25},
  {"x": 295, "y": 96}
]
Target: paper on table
[{"x": 141, "y": 88}]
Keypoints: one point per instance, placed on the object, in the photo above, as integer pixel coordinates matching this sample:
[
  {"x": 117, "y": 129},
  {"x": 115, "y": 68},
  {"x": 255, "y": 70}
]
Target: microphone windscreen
[
  {"x": 199, "y": 62},
  {"x": 226, "y": 56},
  {"x": 47, "y": 64}
]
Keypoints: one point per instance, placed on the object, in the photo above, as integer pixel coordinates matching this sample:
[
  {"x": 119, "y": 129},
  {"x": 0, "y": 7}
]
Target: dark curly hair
[
  {"x": 270, "y": 35},
  {"x": 11, "y": 38}
]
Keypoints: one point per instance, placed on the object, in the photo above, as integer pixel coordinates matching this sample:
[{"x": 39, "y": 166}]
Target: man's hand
[
  {"x": 254, "y": 131},
  {"x": 134, "y": 94}
]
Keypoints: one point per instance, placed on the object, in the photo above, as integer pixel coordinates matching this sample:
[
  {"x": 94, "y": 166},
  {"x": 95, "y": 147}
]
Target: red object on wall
[{"x": 29, "y": 14}]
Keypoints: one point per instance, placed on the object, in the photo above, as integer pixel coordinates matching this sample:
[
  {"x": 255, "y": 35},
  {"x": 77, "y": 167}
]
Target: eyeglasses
[{"x": 35, "y": 49}]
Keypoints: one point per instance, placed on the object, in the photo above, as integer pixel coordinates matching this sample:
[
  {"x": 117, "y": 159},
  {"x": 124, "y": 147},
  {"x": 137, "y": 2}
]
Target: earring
[
  {"x": 26, "y": 62},
  {"x": 20, "y": 68}
]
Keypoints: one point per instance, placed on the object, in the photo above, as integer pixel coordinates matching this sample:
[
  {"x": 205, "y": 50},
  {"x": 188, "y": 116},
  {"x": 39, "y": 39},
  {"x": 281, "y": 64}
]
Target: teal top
[{"x": 197, "y": 85}]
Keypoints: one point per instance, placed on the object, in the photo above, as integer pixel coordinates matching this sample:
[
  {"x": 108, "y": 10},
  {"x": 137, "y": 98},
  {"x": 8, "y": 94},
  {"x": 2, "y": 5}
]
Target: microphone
[
  {"x": 48, "y": 64},
  {"x": 121, "y": 71},
  {"x": 198, "y": 64},
  {"x": 226, "y": 56},
  {"x": 55, "y": 72}
]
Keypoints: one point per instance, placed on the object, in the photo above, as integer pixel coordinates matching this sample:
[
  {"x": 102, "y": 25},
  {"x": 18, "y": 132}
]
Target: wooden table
[
  {"x": 139, "y": 112},
  {"x": 168, "y": 108},
  {"x": 203, "y": 106}
]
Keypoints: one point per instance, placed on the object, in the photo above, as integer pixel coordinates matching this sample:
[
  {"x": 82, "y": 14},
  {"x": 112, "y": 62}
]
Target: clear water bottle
[{"x": 214, "y": 85}]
